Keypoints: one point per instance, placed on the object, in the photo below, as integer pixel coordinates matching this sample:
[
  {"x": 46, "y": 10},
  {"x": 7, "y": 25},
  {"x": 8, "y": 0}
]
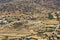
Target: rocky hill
[
  {"x": 27, "y": 9},
  {"x": 26, "y": 16}
]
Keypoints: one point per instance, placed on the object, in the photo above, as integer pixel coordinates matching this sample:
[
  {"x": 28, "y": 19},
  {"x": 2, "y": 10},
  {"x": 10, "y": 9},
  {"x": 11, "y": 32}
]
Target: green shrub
[{"x": 50, "y": 16}]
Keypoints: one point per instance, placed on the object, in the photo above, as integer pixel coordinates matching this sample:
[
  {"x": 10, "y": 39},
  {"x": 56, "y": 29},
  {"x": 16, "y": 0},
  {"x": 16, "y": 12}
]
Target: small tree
[{"x": 50, "y": 16}]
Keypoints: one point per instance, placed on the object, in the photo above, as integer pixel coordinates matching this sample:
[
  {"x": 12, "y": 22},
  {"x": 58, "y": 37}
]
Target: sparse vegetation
[{"x": 29, "y": 18}]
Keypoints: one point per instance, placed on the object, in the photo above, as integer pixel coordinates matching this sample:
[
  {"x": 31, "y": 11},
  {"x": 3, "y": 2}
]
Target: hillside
[
  {"x": 29, "y": 5},
  {"x": 26, "y": 17}
]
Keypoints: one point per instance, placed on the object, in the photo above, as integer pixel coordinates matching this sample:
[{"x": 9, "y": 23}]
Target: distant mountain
[
  {"x": 28, "y": 5},
  {"x": 4, "y": 1},
  {"x": 58, "y": 2}
]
